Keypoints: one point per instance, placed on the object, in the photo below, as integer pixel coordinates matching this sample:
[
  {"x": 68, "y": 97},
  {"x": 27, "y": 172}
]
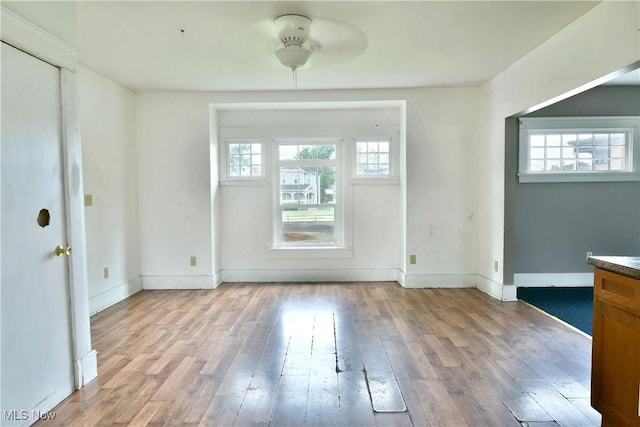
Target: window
[
  {"x": 372, "y": 157},
  {"x": 308, "y": 204},
  {"x": 578, "y": 149},
  {"x": 243, "y": 159}
]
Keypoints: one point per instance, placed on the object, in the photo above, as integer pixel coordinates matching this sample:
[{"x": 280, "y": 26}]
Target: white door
[{"x": 37, "y": 361}]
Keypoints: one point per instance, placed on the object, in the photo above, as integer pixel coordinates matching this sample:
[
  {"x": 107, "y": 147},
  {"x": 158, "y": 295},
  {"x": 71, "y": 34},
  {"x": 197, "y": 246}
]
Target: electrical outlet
[
  {"x": 589, "y": 253},
  {"x": 193, "y": 261},
  {"x": 105, "y": 272},
  {"x": 88, "y": 200},
  {"x": 412, "y": 259},
  {"x": 496, "y": 265}
]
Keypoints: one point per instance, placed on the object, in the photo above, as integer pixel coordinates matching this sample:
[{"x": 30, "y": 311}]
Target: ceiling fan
[{"x": 294, "y": 41}]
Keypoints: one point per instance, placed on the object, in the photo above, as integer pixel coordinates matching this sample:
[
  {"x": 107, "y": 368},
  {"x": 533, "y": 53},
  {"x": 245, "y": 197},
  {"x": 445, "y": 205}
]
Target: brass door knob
[{"x": 63, "y": 251}]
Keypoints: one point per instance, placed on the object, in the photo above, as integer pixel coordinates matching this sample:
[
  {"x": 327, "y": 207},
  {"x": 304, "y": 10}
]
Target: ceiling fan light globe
[{"x": 293, "y": 56}]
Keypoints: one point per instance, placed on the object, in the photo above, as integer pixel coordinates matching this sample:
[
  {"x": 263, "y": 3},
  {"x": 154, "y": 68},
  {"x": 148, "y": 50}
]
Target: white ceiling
[{"x": 227, "y": 45}]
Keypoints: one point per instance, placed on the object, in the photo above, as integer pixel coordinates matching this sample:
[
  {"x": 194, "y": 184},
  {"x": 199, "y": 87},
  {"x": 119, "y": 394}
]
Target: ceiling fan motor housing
[{"x": 292, "y": 29}]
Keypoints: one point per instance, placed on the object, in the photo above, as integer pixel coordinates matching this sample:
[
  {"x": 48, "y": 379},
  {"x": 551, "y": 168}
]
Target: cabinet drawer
[{"x": 617, "y": 290}]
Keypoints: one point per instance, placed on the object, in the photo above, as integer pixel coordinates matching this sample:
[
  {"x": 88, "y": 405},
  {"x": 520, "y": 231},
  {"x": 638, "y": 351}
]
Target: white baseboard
[
  {"x": 536, "y": 280},
  {"x": 338, "y": 275},
  {"x": 86, "y": 369},
  {"x": 178, "y": 282},
  {"x": 496, "y": 290},
  {"x": 416, "y": 281},
  {"x": 217, "y": 279},
  {"x": 113, "y": 295}
]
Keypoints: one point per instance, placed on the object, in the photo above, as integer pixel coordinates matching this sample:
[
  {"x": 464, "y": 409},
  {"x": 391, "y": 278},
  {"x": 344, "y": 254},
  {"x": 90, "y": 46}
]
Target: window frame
[
  {"x": 338, "y": 213},
  {"x": 226, "y": 177},
  {"x": 392, "y": 177},
  {"x": 629, "y": 125}
]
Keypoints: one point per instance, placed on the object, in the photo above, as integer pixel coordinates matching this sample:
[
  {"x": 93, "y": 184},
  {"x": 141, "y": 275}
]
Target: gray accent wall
[{"x": 549, "y": 227}]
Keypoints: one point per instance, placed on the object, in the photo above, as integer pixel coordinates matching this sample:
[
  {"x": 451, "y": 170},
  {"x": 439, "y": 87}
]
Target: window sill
[
  {"x": 525, "y": 178},
  {"x": 309, "y": 252},
  {"x": 243, "y": 182},
  {"x": 377, "y": 180}
]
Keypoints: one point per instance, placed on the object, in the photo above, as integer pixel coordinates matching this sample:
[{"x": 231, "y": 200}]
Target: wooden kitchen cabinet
[{"x": 615, "y": 370}]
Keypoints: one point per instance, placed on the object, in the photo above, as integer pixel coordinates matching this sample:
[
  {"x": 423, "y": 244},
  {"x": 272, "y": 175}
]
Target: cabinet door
[{"x": 614, "y": 378}]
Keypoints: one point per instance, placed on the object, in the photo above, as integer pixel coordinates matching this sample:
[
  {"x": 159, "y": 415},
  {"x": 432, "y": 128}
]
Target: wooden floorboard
[{"x": 328, "y": 355}]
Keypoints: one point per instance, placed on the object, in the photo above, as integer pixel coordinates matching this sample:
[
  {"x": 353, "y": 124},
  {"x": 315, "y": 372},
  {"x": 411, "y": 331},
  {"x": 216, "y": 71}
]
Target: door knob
[{"x": 63, "y": 251}]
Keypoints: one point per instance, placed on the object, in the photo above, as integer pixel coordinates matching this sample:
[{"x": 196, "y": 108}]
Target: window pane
[
  {"x": 601, "y": 165},
  {"x": 326, "y": 152},
  {"x": 568, "y": 165},
  {"x": 617, "y": 164},
  {"x": 569, "y": 140},
  {"x": 601, "y": 139},
  {"x": 256, "y": 148},
  {"x": 568, "y": 152},
  {"x": 536, "y": 165},
  {"x": 617, "y": 151},
  {"x": 383, "y": 147},
  {"x": 618, "y": 139},
  {"x": 602, "y": 152},
  {"x": 314, "y": 225},
  {"x": 553, "y": 165},
  {"x": 307, "y": 152},
  {"x": 537, "y": 153},
  {"x": 361, "y": 147},
  {"x": 536, "y": 140},
  {"x": 553, "y": 153},
  {"x": 287, "y": 152},
  {"x": 585, "y": 165},
  {"x": 553, "y": 140}
]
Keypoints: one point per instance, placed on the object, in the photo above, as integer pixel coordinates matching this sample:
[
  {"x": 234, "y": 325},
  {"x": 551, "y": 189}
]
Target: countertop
[{"x": 626, "y": 265}]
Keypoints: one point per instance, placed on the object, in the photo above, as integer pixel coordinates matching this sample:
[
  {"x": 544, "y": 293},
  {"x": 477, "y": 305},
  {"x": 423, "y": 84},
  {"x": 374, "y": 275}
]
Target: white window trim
[
  {"x": 225, "y": 179},
  {"x": 392, "y": 178},
  {"x": 627, "y": 124}
]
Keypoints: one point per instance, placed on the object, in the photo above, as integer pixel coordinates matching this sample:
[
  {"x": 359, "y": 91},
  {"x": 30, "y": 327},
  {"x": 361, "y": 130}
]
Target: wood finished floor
[{"x": 301, "y": 354}]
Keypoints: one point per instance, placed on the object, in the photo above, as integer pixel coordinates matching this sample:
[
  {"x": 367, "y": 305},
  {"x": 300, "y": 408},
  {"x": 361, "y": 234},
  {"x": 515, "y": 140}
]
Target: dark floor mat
[{"x": 573, "y": 305}]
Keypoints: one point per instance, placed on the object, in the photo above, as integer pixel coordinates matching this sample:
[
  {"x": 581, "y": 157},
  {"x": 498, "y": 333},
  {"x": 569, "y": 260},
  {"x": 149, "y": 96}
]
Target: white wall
[
  {"x": 604, "y": 40},
  {"x": 175, "y": 184},
  {"x": 109, "y": 155}
]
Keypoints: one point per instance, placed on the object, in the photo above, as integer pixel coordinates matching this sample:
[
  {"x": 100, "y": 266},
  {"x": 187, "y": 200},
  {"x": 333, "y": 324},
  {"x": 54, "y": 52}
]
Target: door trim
[{"x": 31, "y": 39}]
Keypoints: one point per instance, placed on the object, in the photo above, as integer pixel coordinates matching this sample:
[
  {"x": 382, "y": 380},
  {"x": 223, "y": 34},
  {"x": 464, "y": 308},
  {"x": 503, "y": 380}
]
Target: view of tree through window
[
  {"x": 244, "y": 159},
  {"x": 307, "y": 187}
]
